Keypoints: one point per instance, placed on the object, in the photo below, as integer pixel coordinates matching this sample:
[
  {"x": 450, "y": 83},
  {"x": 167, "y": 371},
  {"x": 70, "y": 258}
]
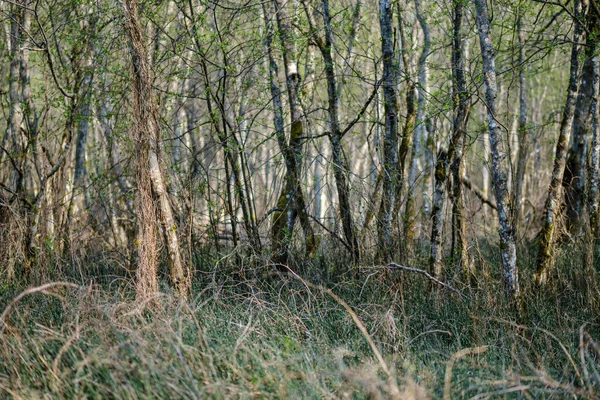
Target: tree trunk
[
  {"x": 150, "y": 178},
  {"x": 340, "y": 165},
  {"x": 574, "y": 175},
  {"x": 407, "y": 135},
  {"x": 453, "y": 159},
  {"x": 524, "y": 131},
  {"x": 390, "y": 141},
  {"x": 594, "y": 167},
  {"x": 498, "y": 154},
  {"x": 545, "y": 257},
  {"x": 291, "y": 203}
]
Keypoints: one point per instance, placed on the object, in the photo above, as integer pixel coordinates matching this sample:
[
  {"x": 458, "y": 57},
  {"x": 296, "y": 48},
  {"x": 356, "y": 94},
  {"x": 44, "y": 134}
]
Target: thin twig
[{"x": 393, "y": 265}]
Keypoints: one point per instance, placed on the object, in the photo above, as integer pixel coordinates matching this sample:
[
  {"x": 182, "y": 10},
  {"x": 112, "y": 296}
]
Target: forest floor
[{"x": 246, "y": 333}]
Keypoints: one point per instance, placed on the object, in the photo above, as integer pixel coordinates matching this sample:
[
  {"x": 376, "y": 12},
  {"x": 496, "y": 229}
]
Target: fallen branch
[
  {"x": 478, "y": 192},
  {"x": 393, "y": 265}
]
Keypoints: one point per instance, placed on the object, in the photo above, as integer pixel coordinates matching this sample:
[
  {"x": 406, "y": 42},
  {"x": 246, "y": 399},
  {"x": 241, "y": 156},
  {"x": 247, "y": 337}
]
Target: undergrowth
[{"x": 246, "y": 333}]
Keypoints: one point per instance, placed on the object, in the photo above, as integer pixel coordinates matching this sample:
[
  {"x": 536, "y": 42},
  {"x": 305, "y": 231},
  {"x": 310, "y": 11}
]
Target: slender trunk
[
  {"x": 80, "y": 174},
  {"x": 591, "y": 225},
  {"x": 452, "y": 160},
  {"x": 340, "y": 165},
  {"x": 545, "y": 257},
  {"x": 407, "y": 134},
  {"x": 149, "y": 172},
  {"x": 524, "y": 131},
  {"x": 594, "y": 167},
  {"x": 15, "y": 112},
  {"x": 424, "y": 121},
  {"x": 421, "y": 145},
  {"x": 498, "y": 154},
  {"x": 291, "y": 203},
  {"x": 574, "y": 175},
  {"x": 390, "y": 141}
]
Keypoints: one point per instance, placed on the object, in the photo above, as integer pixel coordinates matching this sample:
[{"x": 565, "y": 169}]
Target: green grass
[{"x": 260, "y": 336}]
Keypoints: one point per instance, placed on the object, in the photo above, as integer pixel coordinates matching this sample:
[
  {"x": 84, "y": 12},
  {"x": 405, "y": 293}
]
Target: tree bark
[
  {"x": 291, "y": 203},
  {"x": 594, "y": 166},
  {"x": 524, "y": 131},
  {"x": 545, "y": 256},
  {"x": 499, "y": 163},
  {"x": 390, "y": 141},
  {"x": 150, "y": 179},
  {"x": 452, "y": 159},
  {"x": 340, "y": 164},
  {"x": 574, "y": 175}
]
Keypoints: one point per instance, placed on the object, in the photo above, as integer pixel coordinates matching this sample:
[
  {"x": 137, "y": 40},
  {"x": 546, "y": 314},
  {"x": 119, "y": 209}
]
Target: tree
[
  {"x": 498, "y": 154},
  {"x": 545, "y": 257},
  {"x": 390, "y": 141},
  {"x": 452, "y": 159},
  {"x": 340, "y": 164},
  {"x": 149, "y": 174}
]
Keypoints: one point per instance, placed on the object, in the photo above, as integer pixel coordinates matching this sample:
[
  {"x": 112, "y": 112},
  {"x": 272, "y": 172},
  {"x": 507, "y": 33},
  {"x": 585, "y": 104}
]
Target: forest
[{"x": 299, "y": 199}]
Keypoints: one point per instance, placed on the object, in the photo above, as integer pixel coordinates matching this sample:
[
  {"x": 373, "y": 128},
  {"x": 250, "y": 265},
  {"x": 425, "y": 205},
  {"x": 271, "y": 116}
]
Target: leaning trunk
[{"x": 545, "y": 257}]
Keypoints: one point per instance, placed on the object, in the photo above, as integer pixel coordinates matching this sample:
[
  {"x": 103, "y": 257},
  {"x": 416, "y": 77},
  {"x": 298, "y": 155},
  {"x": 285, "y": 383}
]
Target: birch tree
[
  {"x": 452, "y": 159},
  {"x": 545, "y": 256},
  {"x": 499, "y": 162},
  {"x": 291, "y": 203}
]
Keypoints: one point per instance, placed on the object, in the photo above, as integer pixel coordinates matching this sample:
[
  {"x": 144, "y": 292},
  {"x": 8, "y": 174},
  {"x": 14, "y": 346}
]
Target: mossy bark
[
  {"x": 545, "y": 256},
  {"x": 390, "y": 141},
  {"x": 291, "y": 203}
]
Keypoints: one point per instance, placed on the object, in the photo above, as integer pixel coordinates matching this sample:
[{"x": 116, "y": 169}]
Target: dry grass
[{"x": 283, "y": 338}]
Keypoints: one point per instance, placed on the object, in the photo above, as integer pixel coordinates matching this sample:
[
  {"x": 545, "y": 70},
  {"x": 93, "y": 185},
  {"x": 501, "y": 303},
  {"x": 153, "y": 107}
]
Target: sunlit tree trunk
[
  {"x": 574, "y": 175},
  {"x": 545, "y": 256},
  {"x": 499, "y": 164}
]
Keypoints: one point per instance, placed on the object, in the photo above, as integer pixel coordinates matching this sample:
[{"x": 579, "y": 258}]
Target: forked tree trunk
[
  {"x": 150, "y": 180},
  {"x": 291, "y": 203},
  {"x": 545, "y": 257},
  {"x": 499, "y": 164},
  {"x": 340, "y": 164},
  {"x": 390, "y": 141}
]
